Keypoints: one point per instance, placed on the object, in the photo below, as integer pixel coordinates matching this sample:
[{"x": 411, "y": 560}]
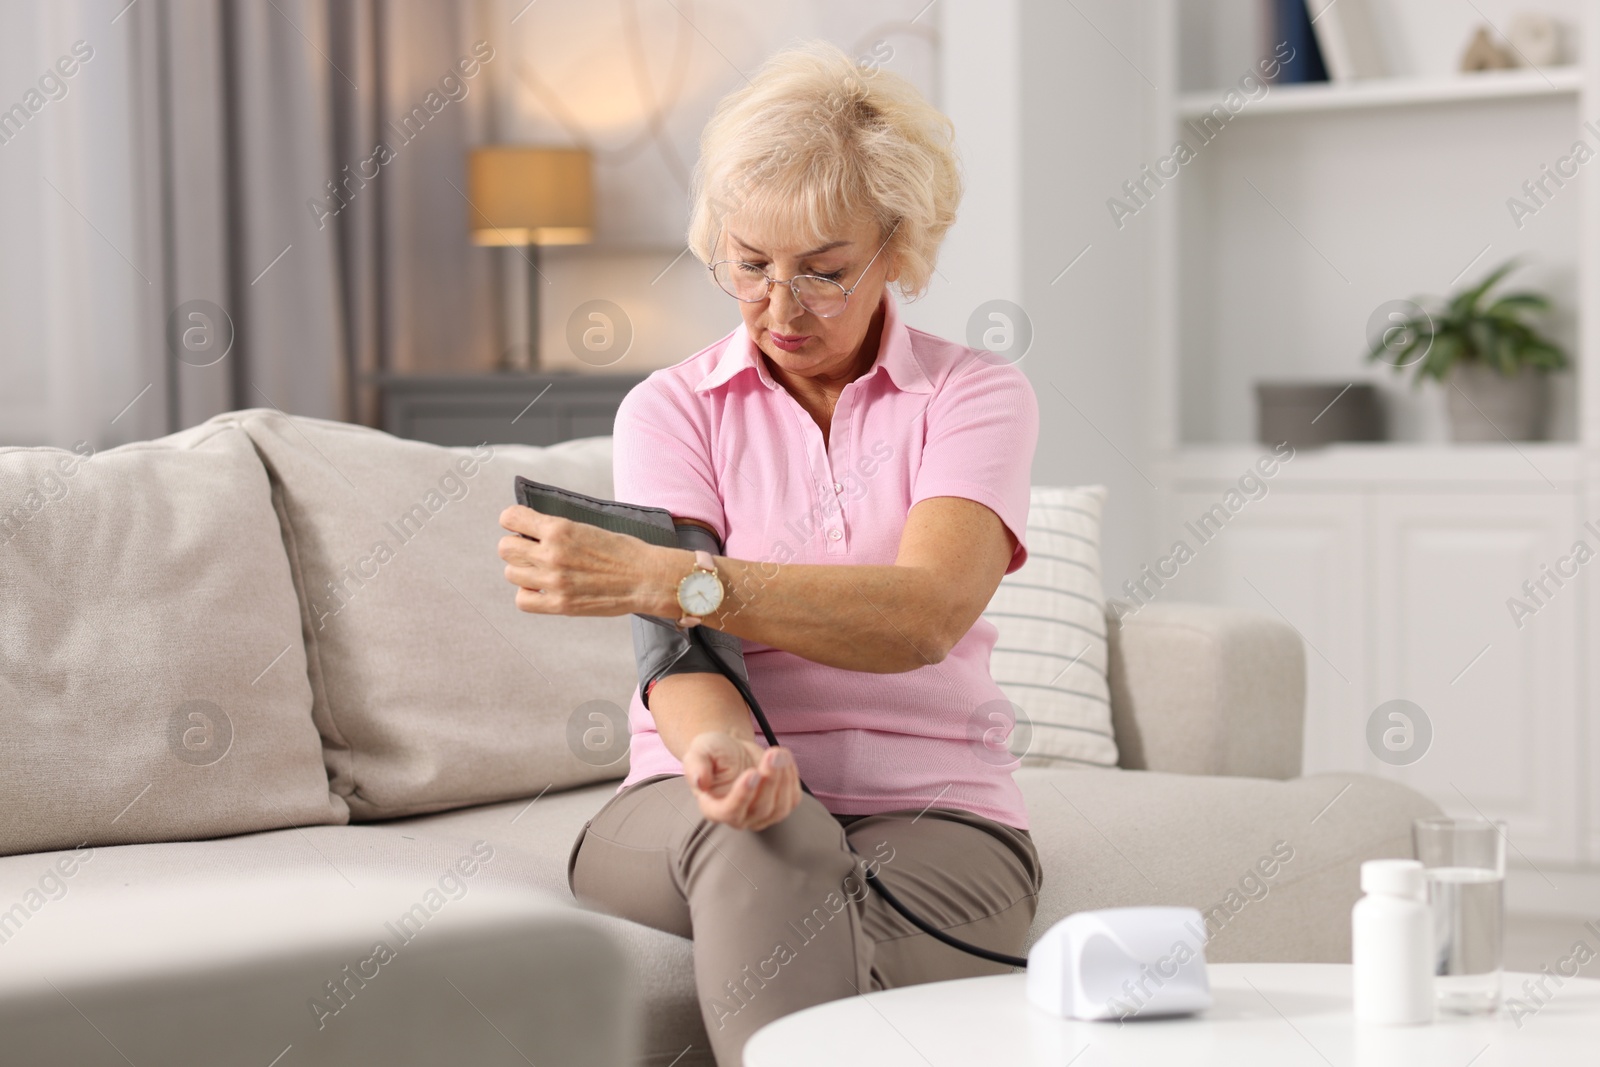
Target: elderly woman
[{"x": 868, "y": 483}]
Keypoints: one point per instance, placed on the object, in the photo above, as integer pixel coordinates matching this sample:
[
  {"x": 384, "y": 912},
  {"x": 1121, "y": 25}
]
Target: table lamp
[{"x": 522, "y": 195}]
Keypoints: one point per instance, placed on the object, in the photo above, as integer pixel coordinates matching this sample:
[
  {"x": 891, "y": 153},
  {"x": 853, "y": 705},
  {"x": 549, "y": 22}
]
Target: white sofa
[{"x": 287, "y": 775}]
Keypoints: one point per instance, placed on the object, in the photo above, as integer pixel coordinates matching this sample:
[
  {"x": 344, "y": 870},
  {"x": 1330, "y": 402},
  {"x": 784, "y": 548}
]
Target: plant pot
[{"x": 1485, "y": 406}]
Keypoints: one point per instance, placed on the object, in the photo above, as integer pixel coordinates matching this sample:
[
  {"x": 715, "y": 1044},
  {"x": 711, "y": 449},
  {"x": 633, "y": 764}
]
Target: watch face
[{"x": 700, "y": 593}]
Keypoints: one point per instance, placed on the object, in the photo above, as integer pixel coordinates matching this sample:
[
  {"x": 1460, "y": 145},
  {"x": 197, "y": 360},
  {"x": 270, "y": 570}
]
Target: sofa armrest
[{"x": 1201, "y": 689}]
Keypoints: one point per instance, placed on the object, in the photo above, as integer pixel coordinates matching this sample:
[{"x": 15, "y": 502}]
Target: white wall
[
  {"x": 1082, "y": 136},
  {"x": 981, "y": 91},
  {"x": 1049, "y": 121}
]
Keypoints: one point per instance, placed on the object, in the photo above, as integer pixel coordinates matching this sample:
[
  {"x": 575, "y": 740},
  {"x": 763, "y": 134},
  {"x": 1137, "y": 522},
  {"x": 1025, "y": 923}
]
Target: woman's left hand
[{"x": 573, "y": 568}]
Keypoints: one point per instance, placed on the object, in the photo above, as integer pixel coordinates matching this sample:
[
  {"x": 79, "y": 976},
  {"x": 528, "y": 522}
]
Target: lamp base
[
  {"x": 521, "y": 356},
  {"x": 534, "y": 280},
  {"x": 516, "y": 359}
]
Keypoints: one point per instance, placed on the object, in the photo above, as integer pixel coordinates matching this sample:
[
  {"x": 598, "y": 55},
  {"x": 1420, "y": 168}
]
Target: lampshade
[{"x": 530, "y": 196}]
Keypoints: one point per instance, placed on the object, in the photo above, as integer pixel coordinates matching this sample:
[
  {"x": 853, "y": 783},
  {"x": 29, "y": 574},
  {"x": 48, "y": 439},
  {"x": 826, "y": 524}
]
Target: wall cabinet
[
  {"x": 525, "y": 409},
  {"x": 1301, "y": 557},
  {"x": 1502, "y": 697},
  {"x": 1400, "y": 591}
]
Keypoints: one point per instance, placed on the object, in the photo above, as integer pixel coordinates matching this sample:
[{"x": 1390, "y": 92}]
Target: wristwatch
[{"x": 700, "y": 591}]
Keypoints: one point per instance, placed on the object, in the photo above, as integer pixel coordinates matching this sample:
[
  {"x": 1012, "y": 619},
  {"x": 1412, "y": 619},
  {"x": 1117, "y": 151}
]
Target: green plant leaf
[
  {"x": 1544, "y": 355},
  {"x": 1467, "y": 301},
  {"x": 1481, "y": 340},
  {"x": 1401, "y": 359},
  {"x": 1420, "y": 331},
  {"x": 1462, "y": 331},
  {"x": 1440, "y": 359},
  {"x": 1513, "y": 302},
  {"x": 1505, "y": 355}
]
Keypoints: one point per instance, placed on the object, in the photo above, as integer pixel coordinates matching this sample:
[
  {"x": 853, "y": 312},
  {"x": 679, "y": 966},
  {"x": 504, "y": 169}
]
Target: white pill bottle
[{"x": 1391, "y": 945}]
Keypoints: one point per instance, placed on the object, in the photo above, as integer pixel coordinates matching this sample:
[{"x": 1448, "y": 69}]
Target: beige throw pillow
[
  {"x": 432, "y": 690},
  {"x": 152, "y": 675}
]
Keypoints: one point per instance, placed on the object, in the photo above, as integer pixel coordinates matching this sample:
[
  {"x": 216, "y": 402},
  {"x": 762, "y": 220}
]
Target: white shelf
[
  {"x": 1395, "y": 92},
  {"x": 1394, "y": 464}
]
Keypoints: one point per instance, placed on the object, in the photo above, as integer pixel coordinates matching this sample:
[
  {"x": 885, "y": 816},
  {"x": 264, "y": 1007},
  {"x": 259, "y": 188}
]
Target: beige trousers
[{"x": 782, "y": 919}]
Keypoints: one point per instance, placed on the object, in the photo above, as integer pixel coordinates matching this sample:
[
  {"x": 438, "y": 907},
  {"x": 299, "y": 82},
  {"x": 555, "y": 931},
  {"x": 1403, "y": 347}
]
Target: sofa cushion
[
  {"x": 1050, "y": 655},
  {"x": 432, "y": 691},
  {"x": 152, "y": 672},
  {"x": 257, "y": 950}
]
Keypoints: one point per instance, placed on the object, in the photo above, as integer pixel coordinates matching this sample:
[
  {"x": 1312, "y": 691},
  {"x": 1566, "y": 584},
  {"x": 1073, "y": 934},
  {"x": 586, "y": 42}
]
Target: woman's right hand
[{"x": 740, "y": 783}]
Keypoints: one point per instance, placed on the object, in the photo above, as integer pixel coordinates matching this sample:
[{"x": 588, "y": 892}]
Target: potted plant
[{"x": 1494, "y": 364}]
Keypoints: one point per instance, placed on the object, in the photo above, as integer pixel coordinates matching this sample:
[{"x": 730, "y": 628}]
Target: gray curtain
[{"x": 291, "y": 203}]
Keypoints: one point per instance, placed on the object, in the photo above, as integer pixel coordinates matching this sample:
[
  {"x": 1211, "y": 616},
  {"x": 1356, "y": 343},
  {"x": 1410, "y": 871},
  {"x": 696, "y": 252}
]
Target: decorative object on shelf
[
  {"x": 530, "y": 196},
  {"x": 1483, "y": 54},
  {"x": 1495, "y": 364},
  {"x": 1535, "y": 39},
  {"x": 1309, "y": 414},
  {"x": 1291, "y": 24},
  {"x": 1348, "y": 36}
]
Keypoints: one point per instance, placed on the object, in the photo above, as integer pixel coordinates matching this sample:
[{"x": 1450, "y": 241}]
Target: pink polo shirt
[{"x": 716, "y": 438}]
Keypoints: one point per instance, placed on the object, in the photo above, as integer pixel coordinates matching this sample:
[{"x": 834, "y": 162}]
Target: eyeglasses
[{"x": 823, "y": 297}]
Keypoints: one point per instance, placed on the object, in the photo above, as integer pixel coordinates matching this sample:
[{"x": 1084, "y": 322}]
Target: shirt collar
[{"x": 895, "y": 356}]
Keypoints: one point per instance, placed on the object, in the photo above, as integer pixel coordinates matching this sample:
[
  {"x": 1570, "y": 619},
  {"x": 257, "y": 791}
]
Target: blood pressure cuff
[{"x": 661, "y": 649}]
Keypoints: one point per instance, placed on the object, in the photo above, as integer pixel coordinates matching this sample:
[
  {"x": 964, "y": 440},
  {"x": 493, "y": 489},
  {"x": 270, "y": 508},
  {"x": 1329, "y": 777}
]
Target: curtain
[
  {"x": 77, "y": 284},
  {"x": 240, "y": 115}
]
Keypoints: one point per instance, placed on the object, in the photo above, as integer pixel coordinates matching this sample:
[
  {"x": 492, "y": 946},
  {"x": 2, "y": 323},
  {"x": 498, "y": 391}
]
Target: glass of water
[{"x": 1465, "y": 861}]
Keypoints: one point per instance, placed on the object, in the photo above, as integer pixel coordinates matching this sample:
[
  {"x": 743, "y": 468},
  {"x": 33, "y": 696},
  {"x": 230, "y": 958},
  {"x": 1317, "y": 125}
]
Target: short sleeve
[
  {"x": 661, "y": 455},
  {"x": 982, "y": 428}
]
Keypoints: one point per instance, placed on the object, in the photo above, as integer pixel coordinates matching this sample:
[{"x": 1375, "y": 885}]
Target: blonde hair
[{"x": 817, "y": 141}]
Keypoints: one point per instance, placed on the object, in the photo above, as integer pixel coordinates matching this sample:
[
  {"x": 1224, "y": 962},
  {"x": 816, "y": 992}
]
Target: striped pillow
[{"x": 1050, "y": 656}]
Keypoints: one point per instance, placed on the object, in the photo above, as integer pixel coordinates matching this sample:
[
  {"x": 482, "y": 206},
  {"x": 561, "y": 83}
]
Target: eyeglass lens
[{"x": 746, "y": 282}]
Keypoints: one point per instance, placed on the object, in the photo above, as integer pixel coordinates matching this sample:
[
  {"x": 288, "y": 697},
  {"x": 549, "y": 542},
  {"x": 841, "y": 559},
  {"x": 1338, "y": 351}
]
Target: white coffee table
[{"x": 1282, "y": 1014}]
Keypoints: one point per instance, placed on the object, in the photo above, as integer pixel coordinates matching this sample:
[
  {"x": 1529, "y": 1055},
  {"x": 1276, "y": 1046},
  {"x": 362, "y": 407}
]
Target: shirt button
[
  {"x": 837, "y": 488},
  {"x": 835, "y": 534}
]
